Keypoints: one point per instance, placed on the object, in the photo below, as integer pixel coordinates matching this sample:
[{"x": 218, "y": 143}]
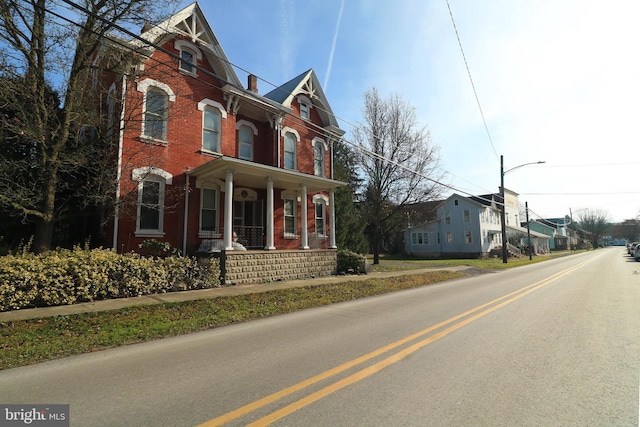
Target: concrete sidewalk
[{"x": 113, "y": 304}]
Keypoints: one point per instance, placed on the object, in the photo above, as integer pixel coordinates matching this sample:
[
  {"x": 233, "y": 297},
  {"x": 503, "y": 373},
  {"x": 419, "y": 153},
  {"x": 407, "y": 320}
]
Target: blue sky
[{"x": 557, "y": 80}]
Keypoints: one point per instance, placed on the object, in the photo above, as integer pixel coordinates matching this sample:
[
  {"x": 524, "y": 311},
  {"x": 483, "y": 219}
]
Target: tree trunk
[
  {"x": 43, "y": 237},
  {"x": 376, "y": 245}
]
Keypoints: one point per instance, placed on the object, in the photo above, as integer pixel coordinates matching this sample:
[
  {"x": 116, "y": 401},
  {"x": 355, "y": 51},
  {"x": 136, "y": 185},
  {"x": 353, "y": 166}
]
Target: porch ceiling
[{"x": 250, "y": 174}]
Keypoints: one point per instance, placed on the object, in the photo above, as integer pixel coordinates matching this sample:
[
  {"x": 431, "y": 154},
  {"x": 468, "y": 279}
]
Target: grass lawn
[{"x": 31, "y": 341}]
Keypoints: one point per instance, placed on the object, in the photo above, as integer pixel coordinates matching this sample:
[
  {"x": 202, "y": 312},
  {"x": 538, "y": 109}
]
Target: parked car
[{"x": 631, "y": 247}]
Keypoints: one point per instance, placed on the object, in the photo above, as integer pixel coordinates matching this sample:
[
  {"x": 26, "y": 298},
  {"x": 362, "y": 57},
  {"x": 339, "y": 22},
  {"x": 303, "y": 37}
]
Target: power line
[
  {"x": 174, "y": 56},
  {"x": 466, "y": 64}
]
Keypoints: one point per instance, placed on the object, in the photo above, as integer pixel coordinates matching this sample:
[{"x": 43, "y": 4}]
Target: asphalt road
[{"x": 555, "y": 343}]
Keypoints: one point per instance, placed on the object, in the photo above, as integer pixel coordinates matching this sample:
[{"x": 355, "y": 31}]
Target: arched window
[
  {"x": 186, "y": 61},
  {"x": 189, "y": 56},
  {"x": 246, "y": 132},
  {"x": 319, "y": 148},
  {"x": 305, "y": 107},
  {"x": 211, "y": 130},
  {"x": 155, "y": 112},
  {"x": 212, "y": 114},
  {"x": 291, "y": 139}
]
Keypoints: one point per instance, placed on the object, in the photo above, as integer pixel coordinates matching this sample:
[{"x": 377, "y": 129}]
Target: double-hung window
[
  {"x": 187, "y": 61},
  {"x": 155, "y": 109},
  {"x": 150, "y": 211},
  {"x": 190, "y": 54},
  {"x": 150, "y": 205},
  {"x": 320, "y": 218},
  {"x": 245, "y": 143},
  {"x": 155, "y": 115},
  {"x": 289, "y": 217},
  {"x": 211, "y": 129},
  {"x": 304, "y": 110},
  {"x": 318, "y": 158},
  {"x": 289, "y": 206},
  {"x": 208, "y": 212},
  {"x": 246, "y": 133},
  {"x": 289, "y": 150}
]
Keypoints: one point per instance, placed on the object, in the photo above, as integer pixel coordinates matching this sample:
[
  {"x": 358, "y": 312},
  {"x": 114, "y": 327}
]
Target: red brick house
[{"x": 206, "y": 159}]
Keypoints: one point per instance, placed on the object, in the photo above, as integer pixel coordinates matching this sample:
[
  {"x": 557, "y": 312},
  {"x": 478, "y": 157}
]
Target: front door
[{"x": 248, "y": 222}]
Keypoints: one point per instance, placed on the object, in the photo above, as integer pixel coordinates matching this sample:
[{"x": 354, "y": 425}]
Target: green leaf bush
[
  {"x": 72, "y": 276},
  {"x": 349, "y": 262}
]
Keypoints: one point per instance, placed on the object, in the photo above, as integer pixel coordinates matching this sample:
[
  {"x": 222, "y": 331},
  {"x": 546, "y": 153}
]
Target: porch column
[
  {"x": 228, "y": 211},
  {"x": 304, "y": 239},
  {"x": 269, "y": 242},
  {"x": 332, "y": 219}
]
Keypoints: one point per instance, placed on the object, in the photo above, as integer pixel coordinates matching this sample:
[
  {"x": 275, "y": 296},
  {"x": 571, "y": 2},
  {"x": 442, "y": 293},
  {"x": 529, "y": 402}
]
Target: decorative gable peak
[
  {"x": 193, "y": 27},
  {"x": 190, "y": 23},
  {"x": 306, "y": 84}
]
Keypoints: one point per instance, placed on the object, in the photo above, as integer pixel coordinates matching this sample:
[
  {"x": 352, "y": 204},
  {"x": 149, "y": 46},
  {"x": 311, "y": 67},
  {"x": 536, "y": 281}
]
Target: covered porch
[
  {"x": 519, "y": 237},
  {"x": 253, "y": 215}
]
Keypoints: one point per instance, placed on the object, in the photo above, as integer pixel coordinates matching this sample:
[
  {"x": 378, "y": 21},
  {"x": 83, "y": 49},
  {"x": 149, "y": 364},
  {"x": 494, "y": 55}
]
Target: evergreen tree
[{"x": 349, "y": 222}]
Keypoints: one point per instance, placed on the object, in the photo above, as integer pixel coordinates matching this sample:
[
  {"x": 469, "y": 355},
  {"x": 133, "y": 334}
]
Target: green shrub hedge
[
  {"x": 71, "y": 276},
  {"x": 349, "y": 262}
]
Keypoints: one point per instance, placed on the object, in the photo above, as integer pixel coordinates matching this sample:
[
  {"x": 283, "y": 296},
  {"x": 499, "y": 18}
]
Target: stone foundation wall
[{"x": 242, "y": 267}]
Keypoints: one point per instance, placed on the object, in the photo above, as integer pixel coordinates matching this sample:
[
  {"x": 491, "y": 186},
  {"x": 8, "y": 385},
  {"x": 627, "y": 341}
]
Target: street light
[{"x": 504, "y": 204}]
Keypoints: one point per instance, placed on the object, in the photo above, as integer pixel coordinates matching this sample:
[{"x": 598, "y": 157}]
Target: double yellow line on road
[{"x": 455, "y": 322}]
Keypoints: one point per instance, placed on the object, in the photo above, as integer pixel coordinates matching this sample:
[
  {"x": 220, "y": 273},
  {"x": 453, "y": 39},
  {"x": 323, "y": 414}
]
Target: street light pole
[
  {"x": 503, "y": 213},
  {"x": 504, "y": 203},
  {"x": 526, "y": 207}
]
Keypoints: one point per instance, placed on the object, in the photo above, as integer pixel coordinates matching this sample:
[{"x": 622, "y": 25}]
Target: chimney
[{"x": 252, "y": 83}]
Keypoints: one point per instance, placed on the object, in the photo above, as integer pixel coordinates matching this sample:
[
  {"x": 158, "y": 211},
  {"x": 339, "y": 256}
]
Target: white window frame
[
  {"x": 184, "y": 46},
  {"x": 210, "y": 105},
  {"x": 290, "y": 196},
  {"x": 295, "y": 137},
  {"x": 319, "y": 163},
  {"x": 305, "y": 107},
  {"x": 144, "y": 87},
  {"x": 252, "y": 131},
  {"x": 216, "y": 208},
  {"x": 320, "y": 200},
  {"x": 151, "y": 174}
]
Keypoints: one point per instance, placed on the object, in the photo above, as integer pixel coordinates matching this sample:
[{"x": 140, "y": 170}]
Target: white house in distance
[{"x": 470, "y": 227}]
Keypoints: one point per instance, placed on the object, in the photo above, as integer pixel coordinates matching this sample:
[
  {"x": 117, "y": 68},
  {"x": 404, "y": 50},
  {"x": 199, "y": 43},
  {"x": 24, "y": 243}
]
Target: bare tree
[
  {"x": 628, "y": 229},
  {"x": 398, "y": 161},
  {"x": 42, "y": 42},
  {"x": 596, "y": 222}
]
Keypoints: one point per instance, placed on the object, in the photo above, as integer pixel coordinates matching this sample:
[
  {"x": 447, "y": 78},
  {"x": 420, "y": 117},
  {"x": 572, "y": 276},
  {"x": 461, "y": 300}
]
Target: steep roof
[
  {"x": 191, "y": 24},
  {"x": 487, "y": 199},
  {"x": 306, "y": 84}
]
